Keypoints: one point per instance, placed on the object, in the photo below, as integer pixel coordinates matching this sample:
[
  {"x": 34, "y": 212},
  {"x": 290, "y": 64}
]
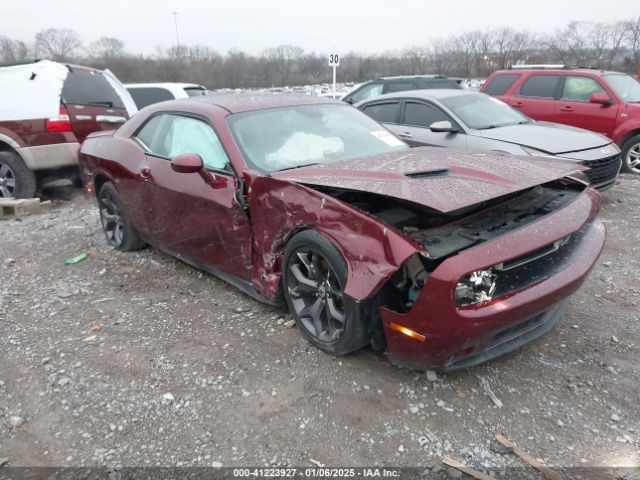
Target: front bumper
[
  {"x": 458, "y": 337},
  {"x": 55, "y": 155}
]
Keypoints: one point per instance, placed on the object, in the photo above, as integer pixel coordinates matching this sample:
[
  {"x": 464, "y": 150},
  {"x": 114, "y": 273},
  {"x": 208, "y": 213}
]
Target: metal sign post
[{"x": 334, "y": 61}]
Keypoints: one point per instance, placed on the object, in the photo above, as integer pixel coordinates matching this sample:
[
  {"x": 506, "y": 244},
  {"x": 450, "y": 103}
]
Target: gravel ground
[{"x": 136, "y": 359}]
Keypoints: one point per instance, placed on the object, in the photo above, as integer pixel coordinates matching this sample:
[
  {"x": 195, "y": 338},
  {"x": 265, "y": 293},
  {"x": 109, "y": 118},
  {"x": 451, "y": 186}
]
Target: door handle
[
  {"x": 405, "y": 135},
  {"x": 566, "y": 109},
  {"x": 518, "y": 104}
]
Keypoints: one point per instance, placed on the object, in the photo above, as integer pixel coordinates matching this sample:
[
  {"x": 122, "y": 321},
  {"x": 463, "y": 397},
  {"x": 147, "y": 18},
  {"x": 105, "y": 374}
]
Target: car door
[
  {"x": 575, "y": 108},
  {"x": 537, "y": 96},
  {"x": 386, "y": 112},
  {"x": 417, "y": 116},
  {"x": 200, "y": 222}
]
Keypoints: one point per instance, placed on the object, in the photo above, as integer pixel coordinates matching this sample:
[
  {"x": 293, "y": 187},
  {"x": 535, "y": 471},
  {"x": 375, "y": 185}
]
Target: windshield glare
[
  {"x": 627, "y": 88},
  {"x": 482, "y": 111},
  {"x": 289, "y": 137}
]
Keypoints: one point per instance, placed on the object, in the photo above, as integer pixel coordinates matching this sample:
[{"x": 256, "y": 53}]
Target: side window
[
  {"x": 441, "y": 83},
  {"x": 383, "y": 112},
  {"x": 399, "y": 87},
  {"x": 151, "y": 134},
  {"x": 167, "y": 135},
  {"x": 191, "y": 135},
  {"x": 580, "y": 88},
  {"x": 367, "y": 92},
  {"x": 501, "y": 83},
  {"x": 149, "y": 95},
  {"x": 540, "y": 86},
  {"x": 422, "y": 115}
]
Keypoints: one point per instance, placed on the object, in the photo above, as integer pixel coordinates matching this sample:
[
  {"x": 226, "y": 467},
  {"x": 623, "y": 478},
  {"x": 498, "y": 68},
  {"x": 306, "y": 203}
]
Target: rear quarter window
[
  {"x": 501, "y": 83},
  {"x": 441, "y": 83},
  {"x": 399, "y": 87},
  {"x": 540, "y": 86},
  {"x": 145, "y": 96},
  {"x": 89, "y": 87}
]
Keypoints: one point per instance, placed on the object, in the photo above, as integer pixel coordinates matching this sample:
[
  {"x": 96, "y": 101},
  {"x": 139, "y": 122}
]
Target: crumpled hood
[
  {"x": 442, "y": 179},
  {"x": 549, "y": 137}
]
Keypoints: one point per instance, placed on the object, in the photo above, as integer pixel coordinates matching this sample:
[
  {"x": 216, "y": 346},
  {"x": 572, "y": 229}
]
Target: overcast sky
[{"x": 316, "y": 25}]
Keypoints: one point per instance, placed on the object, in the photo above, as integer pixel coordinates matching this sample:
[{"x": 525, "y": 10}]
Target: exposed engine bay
[{"x": 444, "y": 235}]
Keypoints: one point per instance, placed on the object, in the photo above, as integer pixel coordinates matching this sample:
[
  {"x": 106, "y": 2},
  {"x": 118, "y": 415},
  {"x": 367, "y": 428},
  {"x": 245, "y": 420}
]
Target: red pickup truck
[{"x": 601, "y": 101}]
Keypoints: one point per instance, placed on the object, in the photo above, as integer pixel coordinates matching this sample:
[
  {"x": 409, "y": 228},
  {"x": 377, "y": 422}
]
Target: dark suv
[
  {"x": 601, "y": 101},
  {"x": 46, "y": 110},
  {"x": 384, "y": 85}
]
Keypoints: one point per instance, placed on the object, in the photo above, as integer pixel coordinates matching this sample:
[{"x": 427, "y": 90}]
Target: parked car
[
  {"x": 145, "y": 94},
  {"x": 46, "y": 110},
  {"x": 600, "y": 101},
  {"x": 442, "y": 258},
  {"x": 384, "y": 85},
  {"x": 464, "y": 119}
]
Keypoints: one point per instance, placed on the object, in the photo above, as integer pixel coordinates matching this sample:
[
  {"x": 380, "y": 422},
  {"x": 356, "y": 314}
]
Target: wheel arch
[
  {"x": 628, "y": 135},
  {"x": 98, "y": 181}
]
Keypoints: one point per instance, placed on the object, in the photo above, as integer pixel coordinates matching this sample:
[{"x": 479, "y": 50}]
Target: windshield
[
  {"x": 482, "y": 111},
  {"x": 291, "y": 137},
  {"x": 627, "y": 88}
]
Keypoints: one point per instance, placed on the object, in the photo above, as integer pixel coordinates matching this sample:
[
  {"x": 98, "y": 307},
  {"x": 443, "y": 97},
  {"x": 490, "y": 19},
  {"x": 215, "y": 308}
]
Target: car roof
[
  {"x": 558, "y": 71},
  {"x": 163, "y": 85},
  {"x": 410, "y": 77},
  {"x": 431, "y": 94},
  {"x": 245, "y": 102}
]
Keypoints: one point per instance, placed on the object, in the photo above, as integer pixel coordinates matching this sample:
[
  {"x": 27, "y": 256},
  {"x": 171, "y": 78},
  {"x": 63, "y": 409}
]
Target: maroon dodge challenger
[{"x": 441, "y": 258}]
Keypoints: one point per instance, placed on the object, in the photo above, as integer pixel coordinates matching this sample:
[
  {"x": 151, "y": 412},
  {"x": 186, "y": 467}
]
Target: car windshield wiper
[
  {"x": 298, "y": 166},
  {"x": 105, "y": 103},
  {"x": 505, "y": 125}
]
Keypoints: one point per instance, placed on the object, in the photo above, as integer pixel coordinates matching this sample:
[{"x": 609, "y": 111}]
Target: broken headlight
[{"x": 476, "y": 287}]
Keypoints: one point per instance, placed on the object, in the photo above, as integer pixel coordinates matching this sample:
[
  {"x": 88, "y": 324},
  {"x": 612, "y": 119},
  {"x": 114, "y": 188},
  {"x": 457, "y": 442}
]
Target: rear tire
[
  {"x": 16, "y": 180},
  {"x": 116, "y": 226},
  {"x": 631, "y": 155},
  {"x": 313, "y": 279}
]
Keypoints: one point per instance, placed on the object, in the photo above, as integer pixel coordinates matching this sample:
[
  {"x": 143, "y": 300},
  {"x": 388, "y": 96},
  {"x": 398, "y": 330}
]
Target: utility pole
[{"x": 175, "y": 21}]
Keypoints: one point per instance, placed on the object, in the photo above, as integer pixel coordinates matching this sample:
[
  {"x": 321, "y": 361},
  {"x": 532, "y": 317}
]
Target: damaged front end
[
  {"x": 438, "y": 288},
  {"x": 483, "y": 271}
]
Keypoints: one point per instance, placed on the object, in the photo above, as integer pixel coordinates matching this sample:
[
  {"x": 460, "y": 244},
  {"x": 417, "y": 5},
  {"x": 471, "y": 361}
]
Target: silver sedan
[{"x": 470, "y": 120}]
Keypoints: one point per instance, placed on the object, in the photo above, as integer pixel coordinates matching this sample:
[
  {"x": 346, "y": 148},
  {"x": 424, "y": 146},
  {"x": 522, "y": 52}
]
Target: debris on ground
[
  {"x": 487, "y": 389},
  {"x": 76, "y": 259},
  {"x": 463, "y": 468},
  {"x": 546, "y": 471}
]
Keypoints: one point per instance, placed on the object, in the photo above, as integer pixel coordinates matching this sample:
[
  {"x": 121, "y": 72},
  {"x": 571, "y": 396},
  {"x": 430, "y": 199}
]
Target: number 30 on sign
[{"x": 334, "y": 60}]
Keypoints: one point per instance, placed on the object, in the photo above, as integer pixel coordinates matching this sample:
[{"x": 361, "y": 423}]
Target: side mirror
[
  {"x": 443, "y": 126},
  {"x": 191, "y": 163},
  {"x": 187, "y": 163},
  {"x": 600, "y": 98},
  {"x": 348, "y": 100}
]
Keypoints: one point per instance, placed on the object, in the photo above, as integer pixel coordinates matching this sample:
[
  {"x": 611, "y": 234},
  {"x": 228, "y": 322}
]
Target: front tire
[
  {"x": 313, "y": 279},
  {"x": 16, "y": 180},
  {"x": 117, "y": 229},
  {"x": 631, "y": 155}
]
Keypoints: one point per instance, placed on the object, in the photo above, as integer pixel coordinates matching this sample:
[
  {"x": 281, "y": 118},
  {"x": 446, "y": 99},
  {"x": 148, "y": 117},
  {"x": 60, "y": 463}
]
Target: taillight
[{"x": 61, "y": 123}]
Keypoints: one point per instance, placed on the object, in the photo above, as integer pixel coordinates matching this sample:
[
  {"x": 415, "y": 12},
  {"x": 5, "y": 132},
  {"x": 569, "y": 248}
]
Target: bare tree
[
  {"x": 107, "y": 48},
  {"x": 13, "y": 50},
  {"x": 633, "y": 32},
  {"x": 57, "y": 44}
]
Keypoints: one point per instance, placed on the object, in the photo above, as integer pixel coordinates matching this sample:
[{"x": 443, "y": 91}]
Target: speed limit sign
[{"x": 334, "y": 60}]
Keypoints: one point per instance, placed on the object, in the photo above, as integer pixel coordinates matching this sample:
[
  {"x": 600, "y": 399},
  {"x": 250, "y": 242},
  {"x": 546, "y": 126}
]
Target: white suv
[{"x": 149, "y": 93}]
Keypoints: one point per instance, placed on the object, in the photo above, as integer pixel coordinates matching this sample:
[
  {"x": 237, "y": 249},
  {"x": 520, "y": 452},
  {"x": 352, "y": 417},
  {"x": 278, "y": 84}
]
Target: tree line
[{"x": 605, "y": 45}]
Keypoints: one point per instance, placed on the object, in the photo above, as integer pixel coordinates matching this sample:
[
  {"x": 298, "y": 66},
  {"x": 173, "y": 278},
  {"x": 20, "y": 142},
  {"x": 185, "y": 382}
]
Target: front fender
[{"x": 372, "y": 250}]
